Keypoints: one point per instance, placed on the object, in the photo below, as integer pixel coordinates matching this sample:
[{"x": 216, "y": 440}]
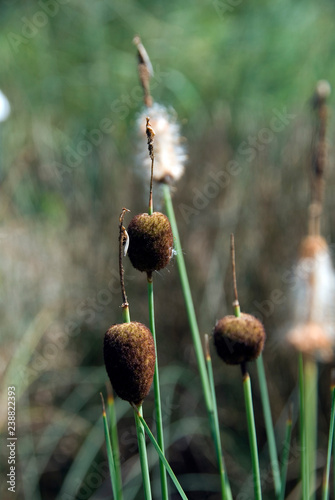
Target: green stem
[
  {"x": 311, "y": 402},
  {"x": 141, "y": 420},
  {"x": 237, "y": 311},
  {"x": 158, "y": 406},
  {"x": 125, "y": 314},
  {"x": 304, "y": 460},
  {"x": 111, "y": 463},
  {"x": 225, "y": 487},
  {"x": 189, "y": 302},
  {"x": 286, "y": 452},
  {"x": 115, "y": 446},
  {"x": 269, "y": 425},
  {"x": 325, "y": 493},
  {"x": 252, "y": 433},
  {"x": 190, "y": 311},
  {"x": 142, "y": 449}
]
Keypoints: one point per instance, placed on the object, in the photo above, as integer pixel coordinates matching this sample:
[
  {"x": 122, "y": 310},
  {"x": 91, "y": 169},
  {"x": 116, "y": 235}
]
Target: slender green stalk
[
  {"x": 269, "y": 425},
  {"x": 190, "y": 312},
  {"x": 225, "y": 487},
  {"x": 252, "y": 433},
  {"x": 143, "y": 455},
  {"x": 115, "y": 445},
  {"x": 311, "y": 403},
  {"x": 304, "y": 460},
  {"x": 111, "y": 463},
  {"x": 141, "y": 421},
  {"x": 286, "y": 452},
  {"x": 158, "y": 406},
  {"x": 325, "y": 492},
  {"x": 189, "y": 302}
]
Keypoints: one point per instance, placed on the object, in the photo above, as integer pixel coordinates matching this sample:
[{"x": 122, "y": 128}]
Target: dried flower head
[
  {"x": 315, "y": 282},
  {"x": 150, "y": 241},
  {"x": 314, "y": 299},
  {"x": 239, "y": 339},
  {"x": 129, "y": 354},
  {"x": 170, "y": 156}
]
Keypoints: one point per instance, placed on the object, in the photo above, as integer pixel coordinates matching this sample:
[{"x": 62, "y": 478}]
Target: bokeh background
[{"x": 68, "y": 164}]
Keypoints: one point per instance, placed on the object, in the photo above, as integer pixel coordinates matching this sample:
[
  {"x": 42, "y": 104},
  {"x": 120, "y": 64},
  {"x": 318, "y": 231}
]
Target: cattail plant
[
  {"x": 150, "y": 249},
  {"x": 129, "y": 350},
  {"x": 239, "y": 339},
  {"x": 129, "y": 355},
  {"x": 170, "y": 155},
  {"x": 169, "y": 167},
  {"x": 131, "y": 364},
  {"x": 313, "y": 328}
]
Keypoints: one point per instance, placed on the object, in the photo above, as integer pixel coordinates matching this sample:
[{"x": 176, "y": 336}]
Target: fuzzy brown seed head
[
  {"x": 150, "y": 241},
  {"x": 311, "y": 246},
  {"x": 239, "y": 339},
  {"x": 129, "y": 354}
]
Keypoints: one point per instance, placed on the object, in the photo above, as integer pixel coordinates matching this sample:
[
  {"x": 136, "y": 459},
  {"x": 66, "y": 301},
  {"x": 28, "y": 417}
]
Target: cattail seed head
[
  {"x": 170, "y": 155},
  {"x": 239, "y": 339},
  {"x": 129, "y": 354},
  {"x": 150, "y": 241},
  {"x": 313, "y": 300}
]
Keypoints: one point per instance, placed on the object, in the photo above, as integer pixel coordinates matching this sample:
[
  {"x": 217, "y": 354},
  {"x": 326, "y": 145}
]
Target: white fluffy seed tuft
[
  {"x": 314, "y": 301},
  {"x": 170, "y": 155}
]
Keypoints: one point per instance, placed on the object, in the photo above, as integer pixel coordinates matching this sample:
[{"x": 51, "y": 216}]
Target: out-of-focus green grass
[{"x": 224, "y": 72}]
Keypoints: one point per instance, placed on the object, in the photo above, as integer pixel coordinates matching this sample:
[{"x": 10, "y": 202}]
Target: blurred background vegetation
[{"x": 68, "y": 166}]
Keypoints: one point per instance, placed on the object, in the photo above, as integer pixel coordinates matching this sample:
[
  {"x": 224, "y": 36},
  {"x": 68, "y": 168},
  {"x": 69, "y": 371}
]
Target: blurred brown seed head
[{"x": 129, "y": 354}]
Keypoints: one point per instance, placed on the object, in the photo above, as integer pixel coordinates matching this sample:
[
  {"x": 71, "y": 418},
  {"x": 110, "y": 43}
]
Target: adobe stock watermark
[
  {"x": 30, "y": 26},
  {"x": 120, "y": 108},
  {"x": 96, "y": 476},
  {"x": 249, "y": 149},
  {"x": 223, "y": 7}
]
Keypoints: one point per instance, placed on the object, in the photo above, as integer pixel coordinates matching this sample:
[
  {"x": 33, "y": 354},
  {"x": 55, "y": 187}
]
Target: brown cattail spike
[
  {"x": 319, "y": 155},
  {"x": 129, "y": 355},
  {"x": 145, "y": 70}
]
